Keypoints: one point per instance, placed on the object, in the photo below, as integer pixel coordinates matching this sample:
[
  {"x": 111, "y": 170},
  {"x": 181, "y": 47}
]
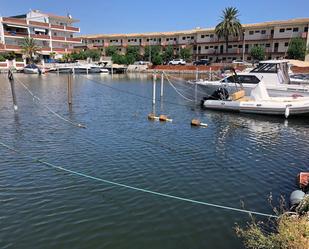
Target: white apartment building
[
  {"x": 204, "y": 43},
  {"x": 52, "y": 33}
]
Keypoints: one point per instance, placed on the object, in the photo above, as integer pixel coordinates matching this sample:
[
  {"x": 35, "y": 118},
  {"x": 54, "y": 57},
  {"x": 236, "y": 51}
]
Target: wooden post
[
  {"x": 12, "y": 83},
  {"x": 70, "y": 90},
  {"x": 162, "y": 84},
  {"x": 154, "y": 89},
  {"x": 195, "y": 93},
  {"x": 196, "y": 74},
  {"x": 210, "y": 74}
]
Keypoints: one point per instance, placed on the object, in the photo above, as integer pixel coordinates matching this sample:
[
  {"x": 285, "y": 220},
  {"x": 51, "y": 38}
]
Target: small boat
[
  {"x": 104, "y": 71},
  {"x": 32, "y": 69},
  {"x": 274, "y": 73},
  {"x": 259, "y": 102}
]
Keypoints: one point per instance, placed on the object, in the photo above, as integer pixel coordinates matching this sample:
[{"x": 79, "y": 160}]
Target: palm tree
[
  {"x": 229, "y": 25},
  {"x": 29, "y": 48}
]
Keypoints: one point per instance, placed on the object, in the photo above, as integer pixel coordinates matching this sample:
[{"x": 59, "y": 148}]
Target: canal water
[{"x": 238, "y": 158}]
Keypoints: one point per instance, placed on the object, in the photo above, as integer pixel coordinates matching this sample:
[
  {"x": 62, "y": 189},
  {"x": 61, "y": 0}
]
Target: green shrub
[
  {"x": 257, "y": 53},
  {"x": 297, "y": 49},
  {"x": 2, "y": 58}
]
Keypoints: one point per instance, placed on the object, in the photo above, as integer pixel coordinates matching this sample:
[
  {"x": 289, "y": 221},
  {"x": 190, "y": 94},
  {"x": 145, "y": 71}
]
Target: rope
[
  {"x": 136, "y": 188},
  {"x": 168, "y": 80},
  {"x": 48, "y": 108}
]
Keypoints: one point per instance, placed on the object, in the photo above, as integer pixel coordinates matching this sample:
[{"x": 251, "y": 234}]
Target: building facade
[
  {"x": 52, "y": 33},
  {"x": 204, "y": 44}
]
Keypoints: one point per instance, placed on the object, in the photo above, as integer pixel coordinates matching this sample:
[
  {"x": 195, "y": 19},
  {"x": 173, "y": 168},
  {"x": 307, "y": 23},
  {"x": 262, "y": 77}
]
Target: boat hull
[{"x": 255, "y": 107}]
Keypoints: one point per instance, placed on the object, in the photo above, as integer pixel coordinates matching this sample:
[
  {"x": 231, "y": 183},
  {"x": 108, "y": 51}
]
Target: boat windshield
[
  {"x": 265, "y": 68},
  {"x": 248, "y": 79}
]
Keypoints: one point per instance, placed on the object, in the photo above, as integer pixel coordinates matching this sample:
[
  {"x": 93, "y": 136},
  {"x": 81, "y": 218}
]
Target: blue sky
[{"x": 122, "y": 16}]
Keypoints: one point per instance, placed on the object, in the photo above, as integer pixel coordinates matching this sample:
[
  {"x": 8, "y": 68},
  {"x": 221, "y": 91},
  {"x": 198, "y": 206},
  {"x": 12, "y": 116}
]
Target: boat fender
[
  {"x": 296, "y": 197},
  {"x": 164, "y": 118},
  {"x": 196, "y": 122},
  {"x": 152, "y": 116}
]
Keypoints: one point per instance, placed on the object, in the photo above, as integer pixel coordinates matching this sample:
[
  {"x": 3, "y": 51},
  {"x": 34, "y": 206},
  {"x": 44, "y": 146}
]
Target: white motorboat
[
  {"x": 274, "y": 73},
  {"x": 258, "y": 102},
  {"x": 32, "y": 69}
]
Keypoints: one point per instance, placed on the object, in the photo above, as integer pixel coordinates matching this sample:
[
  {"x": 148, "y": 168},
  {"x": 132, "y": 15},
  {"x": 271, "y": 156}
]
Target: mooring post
[
  {"x": 154, "y": 89},
  {"x": 196, "y": 74},
  {"x": 112, "y": 70},
  {"x": 70, "y": 89},
  {"x": 12, "y": 83},
  {"x": 195, "y": 93},
  {"x": 162, "y": 84},
  {"x": 210, "y": 74}
]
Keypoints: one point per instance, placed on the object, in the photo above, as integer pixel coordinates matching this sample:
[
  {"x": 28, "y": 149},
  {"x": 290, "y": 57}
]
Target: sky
[{"x": 137, "y": 16}]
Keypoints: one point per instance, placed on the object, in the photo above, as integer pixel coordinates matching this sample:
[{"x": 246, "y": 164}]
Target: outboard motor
[{"x": 220, "y": 94}]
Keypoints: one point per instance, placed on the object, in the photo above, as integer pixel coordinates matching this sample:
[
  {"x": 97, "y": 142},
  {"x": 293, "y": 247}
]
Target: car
[
  {"x": 241, "y": 62},
  {"x": 201, "y": 62},
  {"x": 177, "y": 62}
]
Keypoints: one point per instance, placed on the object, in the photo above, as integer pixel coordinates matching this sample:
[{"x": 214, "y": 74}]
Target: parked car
[
  {"x": 241, "y": 62},
  {"x": 177, "y": 62},
  {"x": 202, "y": 62}
]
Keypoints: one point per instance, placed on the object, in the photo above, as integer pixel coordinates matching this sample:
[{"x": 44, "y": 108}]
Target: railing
[
  {"x": 38, "y": 36},
  {"x": 53, "y": 26},
  {"x": 58, "y": 38},
  {"x": 14, "y": 20},
  {"x": 70, "y": 28},
  {"x": 45, "y": 49},
  {"x": 59, "y": 49},
  {"x": 15, "y": 47},
  {"x": 17, "y": 34},
  {"x": 39, "y": 24},
  {"x": 74, "y": 39}
]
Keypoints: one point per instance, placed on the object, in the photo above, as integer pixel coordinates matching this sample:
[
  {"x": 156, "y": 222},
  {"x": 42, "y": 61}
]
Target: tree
[
  {"x": 297, "y": 49},
  {"x": 110, "y": 51},
  {"x": 229, "y": 25},
  {"x": 152, "y": 52},
  {"x": 119, "y": 59},
  {"x": 157, "y": 59},
  {"x": 93, "y": 54},
  {"x": 168, "y": 54},
  {"x": 29, "y": 48},
  {"x": 185, "y": 53},
  {"x": 132, "y": 54},
  {"x": 257, "y": 53}
]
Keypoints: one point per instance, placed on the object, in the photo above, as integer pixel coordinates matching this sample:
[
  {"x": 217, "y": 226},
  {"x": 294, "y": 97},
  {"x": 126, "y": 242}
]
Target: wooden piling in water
[
  {"x": 12, "y": 83},
  {"x": 70, "y": 90}
]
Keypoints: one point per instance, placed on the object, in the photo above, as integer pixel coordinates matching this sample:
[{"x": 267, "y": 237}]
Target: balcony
[
  {"x": 14, "y": 21},
  {"x": 42, "y": 37},
  {"x": 78, "y": 40},
  {"x": 73, "y": 29},
  {"x": 15, "y": 34},
  {"x": 59, "y": 50},
  {"x": 45, "y": 49},
  {"x": 12, "y": 47},
  {"x": 53, "y": 26},
  {"x": 39, "y": 24},
  {"x": 58, "y": 38}
]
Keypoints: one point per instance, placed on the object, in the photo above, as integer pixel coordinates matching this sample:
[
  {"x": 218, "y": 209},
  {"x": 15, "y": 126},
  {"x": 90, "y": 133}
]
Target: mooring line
[
  {"x": 79, "y": 125},
  {"x": 136, "y": 188}
]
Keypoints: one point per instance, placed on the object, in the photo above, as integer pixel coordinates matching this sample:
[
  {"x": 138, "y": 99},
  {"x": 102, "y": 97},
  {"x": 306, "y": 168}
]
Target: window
[
  {"x": 239, "y": 46},
  {"x": 263, "y": 32},
  {"x": 55, "y": 34},
  {"x": 267, "y": 45},
  {"x": 251, "y": 79},
  {"x": 216, "y": 47},
  {"x": 230, "y": 46},
  {"x": 192, "y": 37},
  {"x": 211, "y": 36},
  {"x": 202, "y": 36},
  {"x": 206, "y": 47},
  {"x": 175, "y": 39},
  {"x": 295, "y": 29},
  {"x": 286, "y": 44},
  {"x": 235, "y": 46},
  {"x": 306, "y": 29},
  {"x": 288, "y": 29},
  {"x": 249, "y": 58},
  {"x": 183, "y": 38},
  {"x": 211, "y": 46},
  {"x": 167, "y": 39},
  {"x": 251, "y": 32},
  {"x": 281, "y": 30},
  {"x": 257, "y": 31}
]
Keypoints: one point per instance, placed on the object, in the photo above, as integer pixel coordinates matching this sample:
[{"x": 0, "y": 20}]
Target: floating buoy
[
  {"x": 303, "y": 180},
  {"x": 196, "y": 122},
  {"x": 164, "y": 118},
  {"x": 152, "y": 116},
  {"x": 296, "y": 197}
]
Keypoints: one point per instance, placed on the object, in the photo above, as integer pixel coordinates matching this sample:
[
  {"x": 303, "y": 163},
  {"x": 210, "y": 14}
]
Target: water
[{"x": 237, "y": 158}]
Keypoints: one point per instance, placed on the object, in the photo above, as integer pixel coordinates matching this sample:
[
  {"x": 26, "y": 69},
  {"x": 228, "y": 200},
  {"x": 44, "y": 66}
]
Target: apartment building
[
  {"x": 204, "y": 43},
  {"x": 52, "y": 33}
]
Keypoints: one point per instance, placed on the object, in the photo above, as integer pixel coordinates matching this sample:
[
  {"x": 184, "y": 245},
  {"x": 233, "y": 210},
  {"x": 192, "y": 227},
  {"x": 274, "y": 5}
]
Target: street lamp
[{"x": 243, "y": 47}]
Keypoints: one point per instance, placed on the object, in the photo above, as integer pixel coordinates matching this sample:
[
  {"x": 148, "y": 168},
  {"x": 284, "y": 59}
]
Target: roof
[
  {"x": 67, "y": 18},
  {"x": 199, "y": 30}
]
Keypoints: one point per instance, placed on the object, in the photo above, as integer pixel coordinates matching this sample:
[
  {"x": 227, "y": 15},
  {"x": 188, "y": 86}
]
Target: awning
[
  {"x": 16, "y": 26},
  {"x": 40, "y": 30}
]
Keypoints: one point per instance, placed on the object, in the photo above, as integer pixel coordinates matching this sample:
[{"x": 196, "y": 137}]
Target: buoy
[
  {"x": 196, "y": 122},
  {"x": 164, "y": 118},
  {"x": 152, "y": 116},
  {"x": 296, "y": 197},
  {"x": 303, "y": 180}
]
